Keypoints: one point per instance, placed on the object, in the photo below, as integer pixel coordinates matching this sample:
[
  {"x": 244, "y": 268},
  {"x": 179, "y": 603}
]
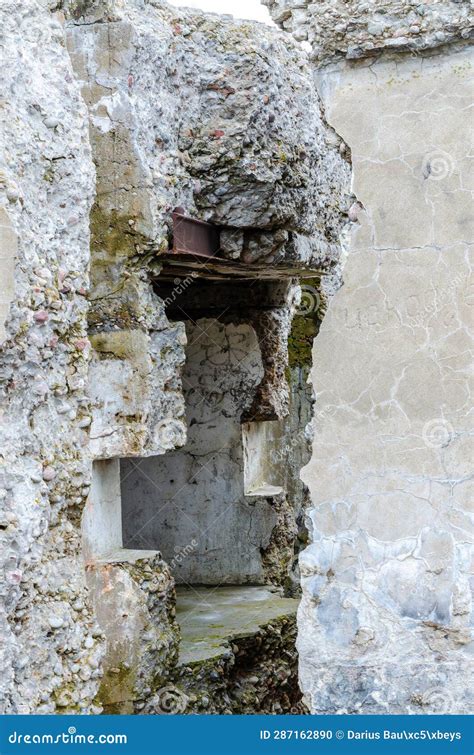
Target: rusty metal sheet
[{"x": 191, "y": 236}]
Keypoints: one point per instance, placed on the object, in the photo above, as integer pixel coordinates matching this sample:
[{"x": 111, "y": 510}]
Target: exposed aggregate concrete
[{"x": 114, "y": 114}]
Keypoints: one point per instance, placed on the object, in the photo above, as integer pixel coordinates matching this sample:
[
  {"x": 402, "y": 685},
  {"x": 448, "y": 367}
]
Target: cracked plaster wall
[{"x": 385, "y": 621}]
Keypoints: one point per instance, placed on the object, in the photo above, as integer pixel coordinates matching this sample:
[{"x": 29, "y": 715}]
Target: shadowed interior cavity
[{"x": 195, "y": 504}]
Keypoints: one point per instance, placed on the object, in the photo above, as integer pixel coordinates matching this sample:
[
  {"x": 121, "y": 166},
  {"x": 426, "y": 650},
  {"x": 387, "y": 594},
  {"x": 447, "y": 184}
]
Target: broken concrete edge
[
  {"x": 257, "y": 673},
  {"x": 355, "y": 32}
]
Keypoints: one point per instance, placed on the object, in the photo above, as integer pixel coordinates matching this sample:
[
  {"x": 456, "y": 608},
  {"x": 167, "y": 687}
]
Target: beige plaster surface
[{"x": 384, "y": 622}]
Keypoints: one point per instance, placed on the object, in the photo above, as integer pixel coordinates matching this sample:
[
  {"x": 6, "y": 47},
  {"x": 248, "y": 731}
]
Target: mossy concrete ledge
[{"x": 237, "y": 654}]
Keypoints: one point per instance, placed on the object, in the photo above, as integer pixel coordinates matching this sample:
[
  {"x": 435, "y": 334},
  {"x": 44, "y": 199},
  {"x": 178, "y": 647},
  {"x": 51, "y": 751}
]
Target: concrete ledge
[{"x": 210, "y": 618}]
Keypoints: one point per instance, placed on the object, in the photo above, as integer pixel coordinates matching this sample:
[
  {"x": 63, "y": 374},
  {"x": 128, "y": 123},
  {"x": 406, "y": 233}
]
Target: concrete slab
[{"x": 211, "y": 617}]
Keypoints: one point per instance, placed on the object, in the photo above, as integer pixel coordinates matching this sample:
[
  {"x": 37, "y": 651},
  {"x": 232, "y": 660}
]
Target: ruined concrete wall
[
  {"x": 217, "y": 116},
  {"x": 137, "y": 401},
  {"x": 90, "y": 364},
  {"x": 192, "y": 111},
  {"x": 51, "y": 646},
  {"x": 354, "y": 29},
  {"x": 384, "y": 625},
  {"x": 223, "y": 118}
]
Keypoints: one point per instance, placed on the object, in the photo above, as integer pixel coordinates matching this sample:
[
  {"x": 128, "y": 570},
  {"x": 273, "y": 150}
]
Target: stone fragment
[
  {"x": 55, "y": 622},
  {"x": 49, "y": 473}
]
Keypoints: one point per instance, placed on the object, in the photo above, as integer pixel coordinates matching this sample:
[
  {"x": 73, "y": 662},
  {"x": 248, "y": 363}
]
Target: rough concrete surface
[
  {"x": 98, "y": 150},
  {"x": 115, "y": 352},
  {"x": 355, "y": 29}
]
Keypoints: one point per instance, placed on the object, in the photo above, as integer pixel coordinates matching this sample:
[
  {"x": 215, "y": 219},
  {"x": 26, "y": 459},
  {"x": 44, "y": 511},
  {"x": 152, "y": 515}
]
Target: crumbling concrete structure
[
  {"x": 156, "y": 410},
  {"x": 150, "y": 398}
]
